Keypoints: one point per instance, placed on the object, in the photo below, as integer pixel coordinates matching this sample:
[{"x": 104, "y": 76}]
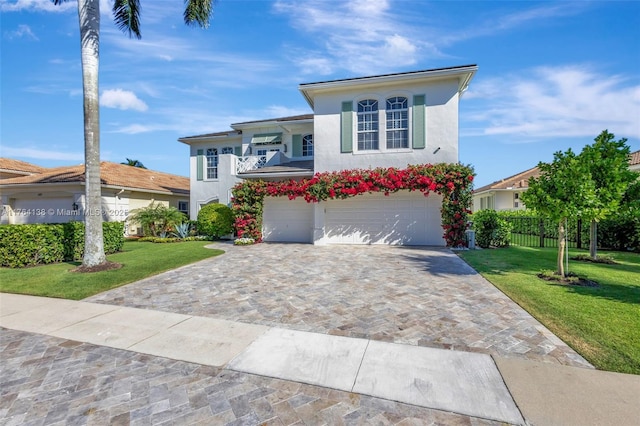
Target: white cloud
[
  {"x": 122, "y": 99},
  {"x": 42, "y": 154},
  {"x": 23, "y": 31},
  {"x": 36, "y": 5},
  {"x": 375, "y": 38},
  {"x": 567, "y": 101}
]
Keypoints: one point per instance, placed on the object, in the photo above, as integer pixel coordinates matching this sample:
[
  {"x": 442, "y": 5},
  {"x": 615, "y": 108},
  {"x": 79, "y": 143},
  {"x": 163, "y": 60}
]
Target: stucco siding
[{"x": 441, "y": 102}]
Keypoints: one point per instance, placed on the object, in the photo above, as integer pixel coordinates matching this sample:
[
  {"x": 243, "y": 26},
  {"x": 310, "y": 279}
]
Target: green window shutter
[
  {"x": 346, "y": 129},
  {"x": 199, "y": 160},
  {"x": 419, "y": 119},
  {"x": 297, "y": 145},
  {"x": 237, "y": 150}
]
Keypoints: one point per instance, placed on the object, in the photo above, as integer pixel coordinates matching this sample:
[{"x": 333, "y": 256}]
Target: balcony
[
  {"x": 250, "y": 162},
  {"x": 273, "y": 164}
]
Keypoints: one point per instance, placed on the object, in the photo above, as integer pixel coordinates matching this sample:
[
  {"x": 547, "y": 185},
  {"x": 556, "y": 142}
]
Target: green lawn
[
  {"x": 601, "y": 323},
  {"x": 139, "y": 260}
]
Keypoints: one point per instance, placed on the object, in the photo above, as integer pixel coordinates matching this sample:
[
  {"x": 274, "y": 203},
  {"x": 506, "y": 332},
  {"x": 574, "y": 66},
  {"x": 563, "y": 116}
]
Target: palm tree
[
  {"x": 133, "y": 163},
  {"x": 127, "y": 18}
]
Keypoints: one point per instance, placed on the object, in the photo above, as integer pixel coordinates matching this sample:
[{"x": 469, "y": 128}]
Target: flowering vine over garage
[{"x": 452, "y": 181}]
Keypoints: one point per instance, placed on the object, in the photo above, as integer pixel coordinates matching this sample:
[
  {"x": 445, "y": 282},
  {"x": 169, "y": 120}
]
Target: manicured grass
[
  {"x": 139, "y": 260},
  {"x": 601, "y": 323}
]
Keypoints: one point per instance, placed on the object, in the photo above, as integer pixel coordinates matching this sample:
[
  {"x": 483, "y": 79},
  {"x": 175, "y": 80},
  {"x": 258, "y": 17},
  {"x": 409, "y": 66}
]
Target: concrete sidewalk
[{"x": 460, "y": 382}]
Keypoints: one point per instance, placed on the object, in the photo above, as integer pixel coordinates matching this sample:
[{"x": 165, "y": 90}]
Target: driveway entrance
[{"x": 417, "y": 296}]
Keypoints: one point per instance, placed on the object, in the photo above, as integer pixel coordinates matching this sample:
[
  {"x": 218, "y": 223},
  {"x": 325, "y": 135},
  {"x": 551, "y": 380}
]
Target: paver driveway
[{"x": 417, "y": 296}]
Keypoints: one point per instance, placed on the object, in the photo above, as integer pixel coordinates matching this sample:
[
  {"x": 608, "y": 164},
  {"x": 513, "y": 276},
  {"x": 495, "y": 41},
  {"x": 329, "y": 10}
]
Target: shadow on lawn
[
  {"x": 531, "y": 262},
  {"x": 622, "y": 294}
]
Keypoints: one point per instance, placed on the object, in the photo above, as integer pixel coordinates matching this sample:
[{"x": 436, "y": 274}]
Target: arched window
[
  {"x": 397, "y": 123},
  {"x": 307, "y": 146},
  {"x": 212, "y": 163},
  {"x": 227, "y": 150},
  {"x": 367, "y": 124}
]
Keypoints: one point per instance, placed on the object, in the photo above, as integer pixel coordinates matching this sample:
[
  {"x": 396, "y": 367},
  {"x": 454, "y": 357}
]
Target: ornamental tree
[
  {"x": 564, "y": 189},
  {"x": 608, "y": 162},
  {"x": 452, "y": 181}
]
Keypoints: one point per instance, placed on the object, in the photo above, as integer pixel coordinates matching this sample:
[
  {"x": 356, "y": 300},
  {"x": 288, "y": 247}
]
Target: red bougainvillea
[{"x": 452, "y": 181}]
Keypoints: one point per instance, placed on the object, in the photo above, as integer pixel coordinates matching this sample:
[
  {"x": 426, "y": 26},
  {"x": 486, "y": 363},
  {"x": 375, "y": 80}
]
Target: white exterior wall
[
  {"x": 211, "y": 190},
  {"x": 441, "y": 102},
  {"x": 502, "y": 200}
]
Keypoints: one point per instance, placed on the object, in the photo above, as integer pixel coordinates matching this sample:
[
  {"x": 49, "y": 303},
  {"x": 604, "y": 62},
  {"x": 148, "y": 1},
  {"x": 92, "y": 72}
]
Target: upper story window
[
  {"x": 397, "y": 123},
  {"x": 307, "y": 146},
  {"x": 212, "y": 163},
  {"x": 367, "y": 124},
  {"x": 263, "y": 151},
  {"x": 226, "y": 150}
]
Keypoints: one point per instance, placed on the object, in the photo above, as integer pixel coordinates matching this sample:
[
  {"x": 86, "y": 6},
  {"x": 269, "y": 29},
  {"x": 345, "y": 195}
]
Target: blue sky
[{"x": 552, "y": 75}]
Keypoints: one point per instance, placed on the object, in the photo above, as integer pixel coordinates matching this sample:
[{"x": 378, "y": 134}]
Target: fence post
[
  {"x": 541, "y": 230},
  {"x": 579, "y": 236}
]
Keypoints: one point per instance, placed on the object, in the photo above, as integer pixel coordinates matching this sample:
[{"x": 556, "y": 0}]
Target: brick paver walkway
[
  {"x": 50, "y": 381},
  {"x": 417, "y": 296}
]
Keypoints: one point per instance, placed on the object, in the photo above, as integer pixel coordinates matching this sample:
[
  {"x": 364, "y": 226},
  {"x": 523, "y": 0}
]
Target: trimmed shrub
[
  {"x": 38, "y": 244},
  {"x": 215, "y": 220},
  {"x": 491, "y": 230},
  {"x": 29, "y": 245}
]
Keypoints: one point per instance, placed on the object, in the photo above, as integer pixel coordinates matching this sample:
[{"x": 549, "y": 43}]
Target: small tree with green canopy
[
  {"x": 608, "y": 163},
  {"x": 563, "y": 190}
]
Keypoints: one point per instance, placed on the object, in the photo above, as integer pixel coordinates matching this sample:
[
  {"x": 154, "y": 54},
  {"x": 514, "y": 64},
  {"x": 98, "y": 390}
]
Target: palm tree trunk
[
  {"x": 561, "y": 248},
  {"x": 89, "y": 15}
]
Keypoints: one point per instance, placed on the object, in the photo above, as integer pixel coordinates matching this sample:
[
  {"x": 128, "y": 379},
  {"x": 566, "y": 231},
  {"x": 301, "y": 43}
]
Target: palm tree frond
[
  {"x": 57, "y": 2},
  {"x": 198, "y": 12},
  {"x": 126, "y": 15}
]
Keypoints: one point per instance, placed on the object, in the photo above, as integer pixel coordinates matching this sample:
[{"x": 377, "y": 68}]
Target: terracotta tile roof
[
  {"x": 22, "y": 167},
  {"x": 110, "y": 174},
  {"x": 521, "y": 180}
]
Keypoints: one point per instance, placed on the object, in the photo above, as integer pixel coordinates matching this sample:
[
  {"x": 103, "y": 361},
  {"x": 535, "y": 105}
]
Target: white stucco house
[
  {"x": 504, "y": 194},
  {"x": 388, "y": 120}
]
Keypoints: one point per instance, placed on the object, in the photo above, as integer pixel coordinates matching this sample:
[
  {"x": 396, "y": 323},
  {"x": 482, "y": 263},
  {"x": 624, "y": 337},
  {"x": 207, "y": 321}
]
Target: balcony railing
[{"x": 249, "y": 163}]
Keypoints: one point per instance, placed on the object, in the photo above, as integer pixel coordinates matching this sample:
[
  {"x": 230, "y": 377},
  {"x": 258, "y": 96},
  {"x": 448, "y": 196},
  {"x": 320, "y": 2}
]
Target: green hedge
[
  {"x": 30, "y": 245},
  {"x": 215, "y": 220},
  {"x": 491, "y": 229}
]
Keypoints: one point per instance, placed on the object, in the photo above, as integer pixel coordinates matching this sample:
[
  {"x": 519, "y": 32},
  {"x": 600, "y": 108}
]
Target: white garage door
[
  {"x": 403, "y": 218},
  {"x": 285, "y": 220},
  {"x": 42, "y": 210}
]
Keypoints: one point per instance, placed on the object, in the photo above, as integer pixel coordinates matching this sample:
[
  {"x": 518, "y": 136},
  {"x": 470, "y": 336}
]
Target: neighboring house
[
  {"x": 10, "y": 168},
  {"x": 505, "y": 193},
  {"x": 634, "y": 161},
  {"x": 56, "y": 195},
  {"x": 388, "y": 120}
]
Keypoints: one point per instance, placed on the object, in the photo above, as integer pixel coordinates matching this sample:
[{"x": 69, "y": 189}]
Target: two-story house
[{"x": 388, "y": 120}]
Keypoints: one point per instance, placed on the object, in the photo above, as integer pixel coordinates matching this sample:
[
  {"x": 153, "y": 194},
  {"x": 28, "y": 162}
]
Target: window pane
[
  {"x": 368, "y": 124},
  {"x": 307, "y": 146},
  {"x": 397, "y": 123},
  {"x": 212, "y": 163}
]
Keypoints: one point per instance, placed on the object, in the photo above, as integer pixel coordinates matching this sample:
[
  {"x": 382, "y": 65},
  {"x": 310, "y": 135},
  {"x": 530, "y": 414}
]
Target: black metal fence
[{"x": 536, "y": 232}]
